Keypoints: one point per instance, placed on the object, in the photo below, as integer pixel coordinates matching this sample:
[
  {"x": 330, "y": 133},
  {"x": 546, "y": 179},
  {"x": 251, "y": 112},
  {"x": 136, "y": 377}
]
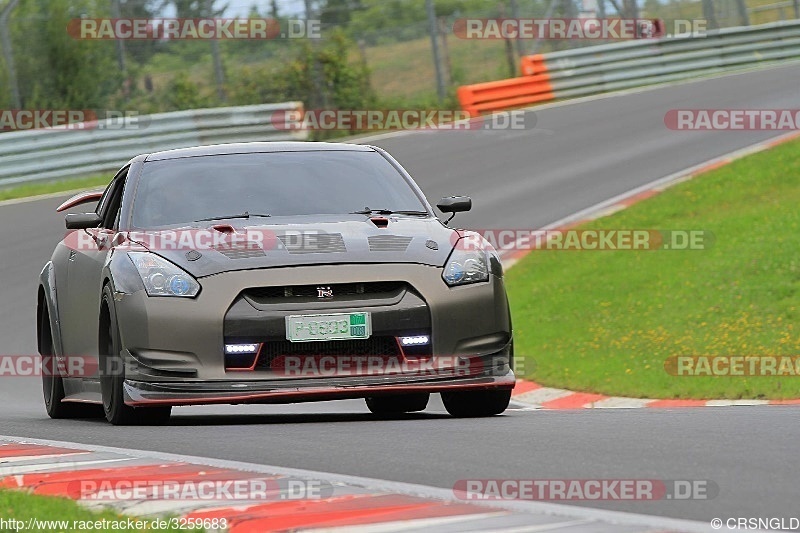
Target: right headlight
[
  {"x": 466, "y": 266},
  {"x": 162, "y": 278}
]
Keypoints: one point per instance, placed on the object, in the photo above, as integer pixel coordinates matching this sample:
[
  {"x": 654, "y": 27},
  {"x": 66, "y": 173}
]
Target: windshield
[{"x": 181, "y": 191}]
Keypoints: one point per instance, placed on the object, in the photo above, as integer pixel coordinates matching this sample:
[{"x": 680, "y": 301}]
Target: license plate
[{"x": 332, "y": 327}]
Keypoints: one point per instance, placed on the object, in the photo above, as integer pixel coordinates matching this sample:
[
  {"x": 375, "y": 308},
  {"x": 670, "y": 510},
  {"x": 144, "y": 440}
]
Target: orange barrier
[
  {"x": 534, "y": 64},
  {"x": 504, "y": 94}
]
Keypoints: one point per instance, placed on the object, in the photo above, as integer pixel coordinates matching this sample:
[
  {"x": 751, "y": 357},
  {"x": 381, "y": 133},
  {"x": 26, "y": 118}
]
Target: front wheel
[
  {"x": 398, "y": 404},
  {"x": 112, "y": 378},
  {"x": 53, "y": 383},
  {"x": 474, "y": 404}
]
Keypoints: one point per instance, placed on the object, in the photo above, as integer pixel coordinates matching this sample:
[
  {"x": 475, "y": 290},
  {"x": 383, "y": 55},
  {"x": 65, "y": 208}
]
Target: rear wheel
[
  {"x": 112, "y": 378},
  {"x": 473, "y": 404},
  {"x": 397, "y": 404},
  {"x": 53, "y": 383}
]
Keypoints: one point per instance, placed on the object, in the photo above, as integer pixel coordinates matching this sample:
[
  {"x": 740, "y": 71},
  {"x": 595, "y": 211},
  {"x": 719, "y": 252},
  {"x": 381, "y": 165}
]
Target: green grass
[
  {"x": 19, "y": 505},
  {"x": 606, "y": 321},
  {"x": 34, "y": 189}
]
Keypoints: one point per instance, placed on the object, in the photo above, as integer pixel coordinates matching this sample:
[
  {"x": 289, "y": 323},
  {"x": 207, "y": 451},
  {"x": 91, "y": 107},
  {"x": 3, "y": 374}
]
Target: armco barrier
[
  {"x": 503, "y": 94},
  {"x": 611, "y": 67},
  {"x": 50, "y": 154}
]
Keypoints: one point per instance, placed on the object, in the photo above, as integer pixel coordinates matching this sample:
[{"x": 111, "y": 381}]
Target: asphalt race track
[{"x": 576, "y": 156}]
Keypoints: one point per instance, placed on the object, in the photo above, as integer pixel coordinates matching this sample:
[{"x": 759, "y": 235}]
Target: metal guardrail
[
  {"x": 47, "y": 154},
  {"x": 610, "y": 67}
]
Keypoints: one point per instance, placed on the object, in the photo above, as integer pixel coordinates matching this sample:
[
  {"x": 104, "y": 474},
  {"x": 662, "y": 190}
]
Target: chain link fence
[{"x": 369, "y": 52}]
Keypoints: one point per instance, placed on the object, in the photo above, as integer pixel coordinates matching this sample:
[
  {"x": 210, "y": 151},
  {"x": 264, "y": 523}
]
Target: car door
[{"x": 80, "y": 314}]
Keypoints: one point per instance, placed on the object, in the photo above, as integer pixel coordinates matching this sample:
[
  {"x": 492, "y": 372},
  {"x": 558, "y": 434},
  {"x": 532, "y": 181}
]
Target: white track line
[
  {"x": 658, "y": 184},
  {"x": 24, "y": 469},
  {"x": 411, "y": 489}
]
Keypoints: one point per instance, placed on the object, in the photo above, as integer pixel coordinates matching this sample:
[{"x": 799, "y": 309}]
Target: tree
[
  {"x": 55, "y": 70},
  {"x": 141, "y": 50},
  {"x": 8, "y": 52},
  {"x": 182, "y": 93},
  {"x": 206, "y": 9},
  {"x": 339, "y": 12}
]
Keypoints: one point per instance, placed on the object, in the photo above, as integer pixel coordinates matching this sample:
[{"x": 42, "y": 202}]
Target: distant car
[{"x": 270, "y": 273}]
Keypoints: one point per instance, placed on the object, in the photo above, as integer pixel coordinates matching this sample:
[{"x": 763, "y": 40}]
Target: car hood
[{"x": 242, "y": 245}]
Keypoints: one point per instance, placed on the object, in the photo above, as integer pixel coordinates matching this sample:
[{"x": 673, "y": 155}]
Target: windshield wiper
[
  {"x": 368, "y": 211},
  {"x": 245, "y": 215}
]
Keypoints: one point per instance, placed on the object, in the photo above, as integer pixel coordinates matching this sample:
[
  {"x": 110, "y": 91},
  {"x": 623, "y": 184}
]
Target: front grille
[
  {"x": 284, "y": 293},
  {"x": 313, "y": 243},
  {"x": 380, "y": 345},
  {"x": 274, "y": 353}
]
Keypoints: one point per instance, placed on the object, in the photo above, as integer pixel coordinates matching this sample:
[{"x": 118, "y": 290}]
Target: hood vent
[
  {"x": 313, "y": 243},
  {"x": 388, "y": 243},
  {"x": 247, "y": 250}
]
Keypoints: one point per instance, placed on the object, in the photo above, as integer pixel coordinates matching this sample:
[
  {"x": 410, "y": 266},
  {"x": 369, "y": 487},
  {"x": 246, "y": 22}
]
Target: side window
[
  {"x": 103, "y": 202},
  {"x": 109, "y": 207}
]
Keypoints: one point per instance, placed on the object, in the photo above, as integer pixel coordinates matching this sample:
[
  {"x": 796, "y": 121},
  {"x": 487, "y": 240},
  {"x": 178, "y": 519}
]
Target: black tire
[
  {"x": 474, "y": 404},
  {"x": 53, "y": 384},
  {"x": 398, "y": 404},
  {"x": 112, "y": 377}
]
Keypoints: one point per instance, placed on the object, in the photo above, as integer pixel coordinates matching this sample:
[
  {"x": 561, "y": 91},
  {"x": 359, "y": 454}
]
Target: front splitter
[{"x": 140, "y": 394}]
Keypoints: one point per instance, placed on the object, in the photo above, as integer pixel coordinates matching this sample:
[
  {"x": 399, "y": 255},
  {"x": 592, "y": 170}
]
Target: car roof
[{"x": 256, "y": 147}]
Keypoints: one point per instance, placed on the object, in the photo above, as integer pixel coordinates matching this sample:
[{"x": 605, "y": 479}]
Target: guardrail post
[{"x": 437, "y": 61}]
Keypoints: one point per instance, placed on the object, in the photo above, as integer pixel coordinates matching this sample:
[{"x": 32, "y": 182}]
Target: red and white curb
[
  {"x": 531, "y": 395},
  {"x": 534, "y": 396},
  {"x": 351, "y": 504}
]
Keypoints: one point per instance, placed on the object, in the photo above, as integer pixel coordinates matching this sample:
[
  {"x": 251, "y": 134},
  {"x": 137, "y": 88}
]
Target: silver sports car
[{"x": 270, "y": 273}]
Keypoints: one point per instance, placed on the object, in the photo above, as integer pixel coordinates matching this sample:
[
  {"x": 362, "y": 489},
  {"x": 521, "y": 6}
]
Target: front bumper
[
  {"x": 174, "y": 348},
  {"x": 138, "y": 393}
]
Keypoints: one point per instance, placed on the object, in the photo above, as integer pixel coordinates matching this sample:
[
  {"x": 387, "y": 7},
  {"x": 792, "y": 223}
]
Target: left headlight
[
  {"x": 466, "y": 266},
  {"x": 162, "y": 278}
]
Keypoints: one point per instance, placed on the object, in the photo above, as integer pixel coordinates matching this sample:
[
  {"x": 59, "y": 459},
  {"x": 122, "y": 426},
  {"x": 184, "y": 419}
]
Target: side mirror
[
  {"x": 82, "y": 220},
  {"x": 454, "y": 204}
]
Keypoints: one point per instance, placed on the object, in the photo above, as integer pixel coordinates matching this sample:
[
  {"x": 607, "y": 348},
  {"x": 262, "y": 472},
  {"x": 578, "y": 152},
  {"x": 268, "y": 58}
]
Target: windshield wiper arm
[
  {"x": 368, "y": 211},
  {"x": 245, "y": 215}
]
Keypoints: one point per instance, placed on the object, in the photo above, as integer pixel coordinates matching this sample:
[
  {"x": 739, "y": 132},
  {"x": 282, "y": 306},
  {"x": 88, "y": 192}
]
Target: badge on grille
[{"x": 324, "y": 292}]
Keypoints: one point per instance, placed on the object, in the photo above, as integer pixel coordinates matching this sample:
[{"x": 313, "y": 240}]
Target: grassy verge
[
  {"x": 63, "y": 515},
  {"x": 606, "y": 321},
  {"x": 34, "y": 189}
]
